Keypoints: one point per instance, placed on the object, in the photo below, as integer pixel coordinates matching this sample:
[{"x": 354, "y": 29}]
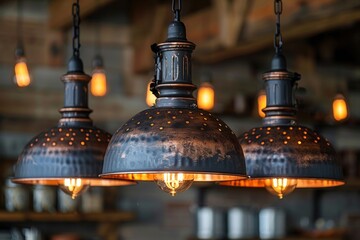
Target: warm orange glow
[
  {"x": 261, "y": 100},
  {"x": 280, "y": 186},
  {"x": 206, "y": 96},
  {"x": 74, "y": 186},
  {"x": 173, "y": 183},
  {"x": 150, "y": 97},
  {"x": 340, "y": 111},
  {"x": 98, "y": 86},
  {"x": 301, "y": 183},
  {"x": 22, "y": 77}
]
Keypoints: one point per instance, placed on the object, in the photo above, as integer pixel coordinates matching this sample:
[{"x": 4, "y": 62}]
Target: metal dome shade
[
  {"x": 174, "y": 136},
  {"x": 160, "y": 140},
  {"x": 73, "y": 149},
  {"x": 292, "y": 152},
  {"x": 281, "y": 149},
  {"x": 64, "y": 152}
]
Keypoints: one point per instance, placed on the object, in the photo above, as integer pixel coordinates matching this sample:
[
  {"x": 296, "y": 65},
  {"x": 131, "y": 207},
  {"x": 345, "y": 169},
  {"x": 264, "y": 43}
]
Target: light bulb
[
  {"x": 150, "y": 97},
  {"x": 174, "y": 182},
  {"x": 340, "y": 111},
  {"x": 280, "y": 186},
  {"x": 261, "y": 100},
  {"x": 22, "y": 77},
  {"x": 98, "y": 86},
  {"x": 206, "y": 96},
  {"x": 74, "y": 186}
]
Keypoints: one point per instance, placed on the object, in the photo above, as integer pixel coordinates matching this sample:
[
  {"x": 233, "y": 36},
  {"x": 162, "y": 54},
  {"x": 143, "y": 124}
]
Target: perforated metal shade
[
  {"x": 73, "y": 149},
  {"x": 293, "y": 152},
  {"x": 282, "y": 148},
  {"x": 174, "y": 135},
  {"x": 159, "y": 140}
]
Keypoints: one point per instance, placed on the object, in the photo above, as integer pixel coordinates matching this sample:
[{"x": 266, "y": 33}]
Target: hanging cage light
[
  {"x": 174, "y": 143},
  {"x": 69, "y": 155},
  {"x": 282, "y": 155}
]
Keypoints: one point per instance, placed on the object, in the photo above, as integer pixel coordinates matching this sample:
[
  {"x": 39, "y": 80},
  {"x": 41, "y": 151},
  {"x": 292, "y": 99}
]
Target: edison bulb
[
  {"x": 261, "y": 103},
  {"x": 74, "y": 186},
  {"x": 206, "y": 96},
  {"x": 280, "y": 186},
  {"x": 98, "y": 84},
  {"x": 22, "y": 77},
  {"x": 173, "y": 183},
  {"x": 150, "y": 97},
  {"x": 340, "y": 111}
]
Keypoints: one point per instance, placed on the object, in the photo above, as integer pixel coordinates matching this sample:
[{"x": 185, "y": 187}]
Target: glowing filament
[
  {"x": 206, "y": 96},
  {"x": 280, "y": 186},
  {"x": 98, "y": 86},
  {"x": 150, "y": 97},
  {"x": 340, "y": 111},
  {"x": 22, "y": 77},
  {"x": 74, "y": 186},
  {"x": 261, "y": 100},
  {"x": 174, "y": 182}
]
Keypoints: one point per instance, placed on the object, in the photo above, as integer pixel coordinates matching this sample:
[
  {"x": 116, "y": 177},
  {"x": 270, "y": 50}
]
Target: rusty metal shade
[
  {"x": 64, "y": 152},
  {"x": 282, "y": 149},
  {"x": 174, "y": 136},
  {"x": 71, "y": 154},
  {"x": 74, "y": 149},
  {"x": 293, "y": 152},
  {"x": 160, "y": 140}
]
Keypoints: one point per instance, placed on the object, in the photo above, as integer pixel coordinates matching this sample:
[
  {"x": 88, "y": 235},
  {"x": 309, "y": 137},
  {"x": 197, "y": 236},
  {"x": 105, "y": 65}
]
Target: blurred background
[{"x": 234, "y": 41}]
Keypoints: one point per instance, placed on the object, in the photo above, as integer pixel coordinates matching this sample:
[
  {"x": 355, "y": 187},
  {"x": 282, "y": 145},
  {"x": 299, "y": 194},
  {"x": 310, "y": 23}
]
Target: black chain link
[
  {"x": 278, "y": 37},
  {"x": 176, "y": 9},
  {"x": 76, "y": 26}
]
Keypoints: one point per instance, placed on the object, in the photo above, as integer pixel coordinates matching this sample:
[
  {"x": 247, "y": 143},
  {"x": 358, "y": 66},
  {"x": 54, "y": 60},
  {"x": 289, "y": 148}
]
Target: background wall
[{"x": 234, "y": 45}]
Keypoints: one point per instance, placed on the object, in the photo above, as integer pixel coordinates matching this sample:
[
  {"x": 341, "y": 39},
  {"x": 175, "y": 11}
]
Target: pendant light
[
  {"x": 98, "y": 85},
  {"x": 174, "y": 143},
  {"x": 71, "y": 154},
  {"x": 21, "y": 72},
  {"x": 339, "y": 107},
  {"x": 282, "y": 155}
]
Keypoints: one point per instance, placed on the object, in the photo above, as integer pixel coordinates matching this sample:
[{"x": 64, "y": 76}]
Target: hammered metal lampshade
[
  {"x": 71, "y": 154},
  {"x": 72, "y": 150},
  {"x": 174, "y": 141},
  {"x": 282, "y": 154}
]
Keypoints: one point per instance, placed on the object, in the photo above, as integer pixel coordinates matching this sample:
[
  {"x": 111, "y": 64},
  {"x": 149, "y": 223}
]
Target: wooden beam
[
  {"x": 297, "y": 31},
  {"x": 143, "y": 59},
  {"x": 232, "y": 18},
  {"x": 60, "y": 11},
  {"x": 44, "y": 104}
]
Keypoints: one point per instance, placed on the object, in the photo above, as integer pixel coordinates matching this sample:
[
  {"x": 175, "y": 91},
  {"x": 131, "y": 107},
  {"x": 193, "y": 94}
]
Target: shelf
[
  {"x": 66, "y": 217},
  {"x": 285, "y": 238}
]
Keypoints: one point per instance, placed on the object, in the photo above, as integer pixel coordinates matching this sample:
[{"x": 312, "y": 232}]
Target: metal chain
[
  {"x": 20, "y": 24},
  {"x": 278, "y": 37},
  {"x": 176, "y": 9},
  {"x": 76, "y": 26}
]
